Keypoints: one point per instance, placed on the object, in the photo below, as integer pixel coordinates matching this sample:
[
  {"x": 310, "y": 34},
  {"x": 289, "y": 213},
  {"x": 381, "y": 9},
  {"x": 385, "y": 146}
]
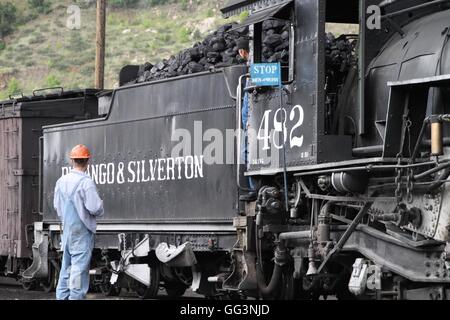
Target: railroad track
[{"x": 12, "y": 290}]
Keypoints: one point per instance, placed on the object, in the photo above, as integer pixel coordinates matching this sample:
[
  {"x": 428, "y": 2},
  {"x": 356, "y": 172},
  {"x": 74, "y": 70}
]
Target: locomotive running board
[
  {"x": 156, "y": 227},
  {"x": 413, "y": 263}
]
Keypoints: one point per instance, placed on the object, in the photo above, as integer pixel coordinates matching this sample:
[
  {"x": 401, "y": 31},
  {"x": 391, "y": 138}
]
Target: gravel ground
[{"x": 12, "y": 290}]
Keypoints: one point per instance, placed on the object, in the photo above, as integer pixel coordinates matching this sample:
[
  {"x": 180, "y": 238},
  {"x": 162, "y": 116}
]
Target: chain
[
  {"x": 409, "y": 186},
  {"x": 399, "y": 170},
  {"x": 410, "y": 176},
  {"x": 398, "y": 179},
  {"x": 408, "y": 125}
]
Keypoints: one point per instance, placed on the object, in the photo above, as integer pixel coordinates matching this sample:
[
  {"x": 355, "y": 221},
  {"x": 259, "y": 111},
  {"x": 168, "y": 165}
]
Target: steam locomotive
[{"x": 351, "y": 166}]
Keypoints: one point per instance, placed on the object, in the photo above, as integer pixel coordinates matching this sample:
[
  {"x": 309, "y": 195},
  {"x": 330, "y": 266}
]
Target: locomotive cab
[{"x": 302, "y": 122}]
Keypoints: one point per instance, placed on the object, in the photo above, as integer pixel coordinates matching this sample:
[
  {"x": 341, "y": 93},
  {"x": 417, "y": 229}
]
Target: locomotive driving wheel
[{"x": 151, "y": 291}]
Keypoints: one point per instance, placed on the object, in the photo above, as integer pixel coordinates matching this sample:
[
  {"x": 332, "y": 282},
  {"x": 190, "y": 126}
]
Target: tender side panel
[{"x": 138, "y": 176}]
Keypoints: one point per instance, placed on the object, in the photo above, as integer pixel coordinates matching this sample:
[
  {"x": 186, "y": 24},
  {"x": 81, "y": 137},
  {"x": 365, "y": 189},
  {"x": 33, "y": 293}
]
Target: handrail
[
  {"x": 45, "y": 89},
  {"x": 410, "y": 9},
  {"x": 239, "y": 136},
  {"x": 40, "y": 193}
]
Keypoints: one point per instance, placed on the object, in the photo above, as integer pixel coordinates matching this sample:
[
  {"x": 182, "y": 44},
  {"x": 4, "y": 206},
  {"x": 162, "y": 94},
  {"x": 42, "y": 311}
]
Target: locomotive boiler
[{"x": 350, "y": 161}]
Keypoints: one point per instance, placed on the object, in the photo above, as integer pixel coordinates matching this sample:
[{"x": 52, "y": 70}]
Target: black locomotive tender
[{"x": 356, "y": 205}]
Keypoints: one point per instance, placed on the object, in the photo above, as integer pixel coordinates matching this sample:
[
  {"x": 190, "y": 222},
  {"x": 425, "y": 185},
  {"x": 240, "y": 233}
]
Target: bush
[
  {"x": 184, "y": 34},
  {"x": 123, "y": 3},
  {"x": 52, "y": 81},
  {"x": 156, "y": 2},
  {"x": 84, "y": 4},
  {"x": 41, "y": 6},
  {"x": 8, "y": 17},
  {"x": 184, "y": 4},
  {"x": 243, "y": 16},
  {"x": 2, "y": 45},
  {"x": 13, "y": 87},
  {"x": 210, "y": 13}
]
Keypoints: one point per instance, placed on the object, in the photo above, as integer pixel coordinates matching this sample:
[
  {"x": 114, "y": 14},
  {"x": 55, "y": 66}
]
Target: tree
[
  {"x": 41, "y": 6},
  {"x": 8, "y": 17}
]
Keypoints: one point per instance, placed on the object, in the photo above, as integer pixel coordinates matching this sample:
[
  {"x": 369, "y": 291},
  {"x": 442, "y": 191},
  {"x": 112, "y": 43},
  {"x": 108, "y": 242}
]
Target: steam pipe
[
  {"x": 295, "y": 235},
  {"x": 364, "y": 151},
  {"x": 439, "y": 181},
  {"x": 431, "y": 171},
  {"x": 368, "y": 168},
  {"x": 427, "y": 143},
  {"x": 268, "y": 290},
  {"x": 378, "y": 150},
  {"x": 323, "y": 227},
  {"x": 419, "y": 139}
]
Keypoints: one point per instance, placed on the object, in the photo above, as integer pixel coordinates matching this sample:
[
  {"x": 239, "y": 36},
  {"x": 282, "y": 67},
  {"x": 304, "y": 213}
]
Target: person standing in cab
[
  {"x": 243, "y": 46},
  {"x": 78, "y": 205}
]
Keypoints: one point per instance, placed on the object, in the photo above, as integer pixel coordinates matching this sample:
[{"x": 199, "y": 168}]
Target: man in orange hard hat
[{"x": 78, "y": 205}]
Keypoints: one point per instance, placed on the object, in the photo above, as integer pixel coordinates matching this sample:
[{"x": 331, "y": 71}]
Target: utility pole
[{"x": 100, "y": 45}]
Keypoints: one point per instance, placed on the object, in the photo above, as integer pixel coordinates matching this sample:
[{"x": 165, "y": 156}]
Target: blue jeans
[
  {"x": 73, "y": 281},
  {"x": 244, "y": 155}
]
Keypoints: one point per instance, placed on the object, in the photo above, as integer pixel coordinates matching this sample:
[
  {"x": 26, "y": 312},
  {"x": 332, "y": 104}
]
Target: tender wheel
[
  {"x": 28, "y": 285},
  {"x": 151, "y": 291},
  {"x": 110, "y": 290},
  {"x": 107, "y": 289},
  {"x": 175, "y": 290},
  {"x": 50, "y": 284}
]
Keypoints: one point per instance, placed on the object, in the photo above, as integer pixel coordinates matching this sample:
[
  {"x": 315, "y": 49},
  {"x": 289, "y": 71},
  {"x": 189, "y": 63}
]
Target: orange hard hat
[{"x": 80, "y": 152}]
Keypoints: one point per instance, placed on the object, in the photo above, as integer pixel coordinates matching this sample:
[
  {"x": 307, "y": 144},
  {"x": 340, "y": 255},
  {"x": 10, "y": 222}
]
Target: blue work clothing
[
  {"x": 77, "y": 239},
  {"x": 245, "y": 110},
  {"x": 245, "y": 118},
  {"x": 86, "y": 198}
]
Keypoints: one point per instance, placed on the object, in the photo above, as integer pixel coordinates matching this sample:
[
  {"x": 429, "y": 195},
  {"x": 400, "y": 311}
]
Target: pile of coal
[
  {"x": 275, "y": 41},
  {"x": 218, "y": 49}
]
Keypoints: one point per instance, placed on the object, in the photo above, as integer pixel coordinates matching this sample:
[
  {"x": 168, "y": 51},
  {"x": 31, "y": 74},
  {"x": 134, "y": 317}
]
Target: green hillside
[
  {"x": 38, "y": 50},
  {"x": 41, "y": 51}
]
